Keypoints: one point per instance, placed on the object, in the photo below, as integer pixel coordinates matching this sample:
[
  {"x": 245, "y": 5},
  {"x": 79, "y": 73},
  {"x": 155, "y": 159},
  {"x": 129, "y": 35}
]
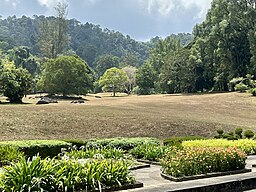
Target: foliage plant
[
  {"x": 149, "y": 152},
  {"x": 248, "y": 146},
  {"x": 201, "y": 160},
  {"x": 9, "y": 154},
  {"x": 64, "y": 175},
  {"x": 104, "y": 153}
]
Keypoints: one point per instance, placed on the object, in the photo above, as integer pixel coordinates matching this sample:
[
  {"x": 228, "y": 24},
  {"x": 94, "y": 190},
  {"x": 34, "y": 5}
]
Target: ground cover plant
[
  {"x": 248, "y": 146},
  {"x": 195, "y": 161},
  {"x": 64, "y": 175},
  {"x": 160, "y": 116}
]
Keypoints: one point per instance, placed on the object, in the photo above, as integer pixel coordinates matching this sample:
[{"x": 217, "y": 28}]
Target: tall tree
[
  {"x": 113, "y": 79},
  {"x": 67, "y": 75},
  {"x": 54, "y": 38}
]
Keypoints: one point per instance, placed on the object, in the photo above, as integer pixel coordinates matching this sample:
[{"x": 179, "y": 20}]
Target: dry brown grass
[{"x": 159, "y": 116}]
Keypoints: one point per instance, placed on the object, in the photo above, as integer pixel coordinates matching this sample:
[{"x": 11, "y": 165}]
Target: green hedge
[
  {"x": 177, "y": 141},
  {"x": 45, "y": 148},
  {"x": 9, "y": 154},
  {"x": 122, "y": 142}
]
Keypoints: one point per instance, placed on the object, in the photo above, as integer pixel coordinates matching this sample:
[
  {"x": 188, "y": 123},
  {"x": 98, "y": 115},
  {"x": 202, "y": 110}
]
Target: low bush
[
  {"x": 102, "y": 153},
  {"x": 246, "y": 145},
  {"x": 64, "y": 175},
  {"x": 196, "y": 161},
  {"x": 177, "y": 141},
  {"x": 45, "y": 148},
  {"x": 9, "y": 154},
  {"x": 121, "y": 143},
  {"x": 149, "y": 152},
  {"x": 248, "y": 134}
]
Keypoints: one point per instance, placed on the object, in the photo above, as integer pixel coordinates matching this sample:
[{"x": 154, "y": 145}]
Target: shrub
[
  {"x": 241, "y": 87},
  {"x": 9, "y": 154},
  {"x": 64, "y": 175},
  {"x": 177, "y": 141},
  {"x": 121, "y": 143},
  {"x": 246, "y": 145},
  {"x": 239, "y": 132},
  {"x": 148, "y": 152},
  {"x": 196, "y": 161},
  {"x": 248, "y": 134},
  {"x": 104, "y": 153},
  {"x": 45, "y": 148},
  {"x": 253, "y": 91}
]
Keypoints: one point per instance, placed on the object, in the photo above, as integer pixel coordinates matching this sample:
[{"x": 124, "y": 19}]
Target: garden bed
[{"x": 202, "y": 176}]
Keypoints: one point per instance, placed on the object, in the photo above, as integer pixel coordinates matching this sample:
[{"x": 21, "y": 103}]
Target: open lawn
[{"x": 160, "y": 116}]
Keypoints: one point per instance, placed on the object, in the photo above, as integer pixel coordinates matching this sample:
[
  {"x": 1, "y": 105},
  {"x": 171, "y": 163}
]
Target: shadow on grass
[
  {"x": 199, "y": 93},
  {"x": 8, "y": 103},
  {"x": 58, "y": 97}
]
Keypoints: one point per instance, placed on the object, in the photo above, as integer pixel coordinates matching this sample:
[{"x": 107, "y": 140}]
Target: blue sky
[{"x": 140, "y": 19}]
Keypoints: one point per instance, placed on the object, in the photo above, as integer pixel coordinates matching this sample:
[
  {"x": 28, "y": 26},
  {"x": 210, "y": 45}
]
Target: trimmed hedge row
[
  {"x": 122, "y": 142},
  {"x": 45, "y": 148}
]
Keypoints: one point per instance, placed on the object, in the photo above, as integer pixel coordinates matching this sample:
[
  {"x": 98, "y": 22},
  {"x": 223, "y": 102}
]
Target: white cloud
[
  {"x": 13, "y": 3},
  {"x": 167, "y": 7},
  {"x": 204, "y": 5}
]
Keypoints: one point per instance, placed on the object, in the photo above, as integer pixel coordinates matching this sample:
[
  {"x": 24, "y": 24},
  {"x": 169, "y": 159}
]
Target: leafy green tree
[
  {"x": 113, "y": 79},
  {"x": 145, "y": 79},
  {"x": 14, "y": 82},
  {"x": 67, "y": 75}
]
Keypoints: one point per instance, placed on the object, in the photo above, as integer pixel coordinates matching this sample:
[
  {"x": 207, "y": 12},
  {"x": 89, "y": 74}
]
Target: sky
[{"x": 140, "y": 19}]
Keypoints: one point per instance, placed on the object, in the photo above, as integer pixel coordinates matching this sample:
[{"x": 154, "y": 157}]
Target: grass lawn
[{"x": 158, "y": 116}]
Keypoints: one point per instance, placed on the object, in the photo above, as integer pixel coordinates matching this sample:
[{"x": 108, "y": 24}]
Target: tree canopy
[
  {"x": 114, "y": 79},
  {"x": 67, "y": 75}
]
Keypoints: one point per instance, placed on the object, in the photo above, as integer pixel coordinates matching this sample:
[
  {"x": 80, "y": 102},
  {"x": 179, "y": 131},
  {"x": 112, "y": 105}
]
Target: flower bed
[{"x": 197, "y": 161}]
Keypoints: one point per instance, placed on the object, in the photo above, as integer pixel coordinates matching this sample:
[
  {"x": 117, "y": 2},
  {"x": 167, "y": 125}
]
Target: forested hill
[{"x": 89, "y": 41}]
